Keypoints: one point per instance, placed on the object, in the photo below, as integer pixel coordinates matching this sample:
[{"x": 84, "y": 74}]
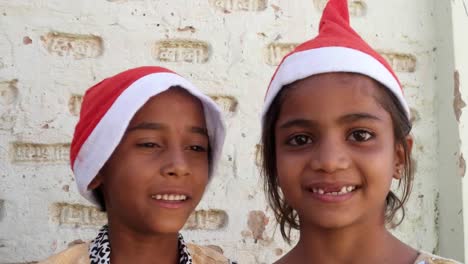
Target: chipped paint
[
  {"x": 461, "y": 165},
  {"x": 458, "y": 103}
]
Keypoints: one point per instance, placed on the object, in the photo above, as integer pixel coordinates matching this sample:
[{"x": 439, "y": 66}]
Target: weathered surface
[{"x": 52, "y": 51}]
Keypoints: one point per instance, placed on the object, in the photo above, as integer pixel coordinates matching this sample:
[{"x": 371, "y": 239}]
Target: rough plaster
[
  {"x": 459, "y": 10},
  {"x": 51, "y": 51}
]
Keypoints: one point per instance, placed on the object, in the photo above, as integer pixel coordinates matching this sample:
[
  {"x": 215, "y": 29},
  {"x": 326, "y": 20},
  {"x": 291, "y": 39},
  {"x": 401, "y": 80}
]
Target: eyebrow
[
  {"x": 298, "y": 123},
  {"x": 147, "y": 126},
  {"x": 350, "y": 118},
  {"x": 199, "y": 130},
  {"x": 159, "y": 126},
  {"x": 358, "y": 116}
]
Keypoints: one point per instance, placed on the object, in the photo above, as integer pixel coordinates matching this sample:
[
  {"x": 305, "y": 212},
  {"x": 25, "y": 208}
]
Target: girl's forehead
[
  {"x": 174, "y": 106},
  {"x": 324, "y": 96},
  {"x": 344, "y": 86}
]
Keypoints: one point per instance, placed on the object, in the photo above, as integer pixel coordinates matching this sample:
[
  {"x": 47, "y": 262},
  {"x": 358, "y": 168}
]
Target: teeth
[
  {"x": 170, "y": 197},
  {"x": 344, "y": 190}
]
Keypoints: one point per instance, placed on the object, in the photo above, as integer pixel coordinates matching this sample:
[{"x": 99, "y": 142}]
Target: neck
[
  {"x": 368, "y": 242},
  {"x": 131, "y": 246}
]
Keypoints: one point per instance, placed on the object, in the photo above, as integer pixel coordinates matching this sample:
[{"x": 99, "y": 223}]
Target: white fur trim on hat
[{"x": 306, "y": 63}]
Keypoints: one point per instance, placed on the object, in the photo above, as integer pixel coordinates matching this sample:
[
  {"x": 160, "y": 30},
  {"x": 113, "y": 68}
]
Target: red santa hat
[
  {"x": 337, "y": 48},
  {"x": 108, "y": 108}
]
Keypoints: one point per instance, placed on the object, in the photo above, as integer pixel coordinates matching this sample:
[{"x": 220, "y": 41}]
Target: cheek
[
  {"x": 199, "y": 169},
  {"x": 289, "y": 172}
]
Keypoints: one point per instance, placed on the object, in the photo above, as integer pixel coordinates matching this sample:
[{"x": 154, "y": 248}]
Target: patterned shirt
[{"x": 99, "y": 249}]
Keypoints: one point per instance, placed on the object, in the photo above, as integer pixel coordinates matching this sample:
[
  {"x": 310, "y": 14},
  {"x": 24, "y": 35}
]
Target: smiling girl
[
  {"x": 336, "y": 133},
  {"x": 145, "y": 146}
]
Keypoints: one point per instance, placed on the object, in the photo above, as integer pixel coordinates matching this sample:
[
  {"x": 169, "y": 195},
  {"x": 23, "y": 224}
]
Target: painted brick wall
[{"x": 51, "y": 51}]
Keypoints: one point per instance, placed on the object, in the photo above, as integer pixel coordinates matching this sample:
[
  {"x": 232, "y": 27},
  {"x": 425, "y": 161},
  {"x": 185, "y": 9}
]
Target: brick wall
[{"x": 52, "y": 51}]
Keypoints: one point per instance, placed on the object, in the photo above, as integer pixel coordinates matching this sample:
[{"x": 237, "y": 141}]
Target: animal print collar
[{"x": 99, "y": 249}]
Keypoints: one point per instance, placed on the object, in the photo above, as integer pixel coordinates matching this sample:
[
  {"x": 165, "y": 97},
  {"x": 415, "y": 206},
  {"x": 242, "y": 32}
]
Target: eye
[
  {"x": 360, "y": 135},
  {"x": 198, "y": 148},
  {"x": 148, "y": 145},
  {"x": 299, "y": 140}
]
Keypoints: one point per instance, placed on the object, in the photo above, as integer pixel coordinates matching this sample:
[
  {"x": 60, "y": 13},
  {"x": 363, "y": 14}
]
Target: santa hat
[
  {"x": 108, "y": 108},
  {"x": 337, "y": 48}
]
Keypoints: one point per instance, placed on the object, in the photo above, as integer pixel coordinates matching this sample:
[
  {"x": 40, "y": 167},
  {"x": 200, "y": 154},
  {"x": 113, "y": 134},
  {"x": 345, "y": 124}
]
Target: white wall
[{"x": 52, "y": 51}]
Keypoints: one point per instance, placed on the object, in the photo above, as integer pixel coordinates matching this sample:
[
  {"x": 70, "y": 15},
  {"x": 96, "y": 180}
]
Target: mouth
[
  {"x": 334, "y": 191},
  {"x": 170, "y": 197}
]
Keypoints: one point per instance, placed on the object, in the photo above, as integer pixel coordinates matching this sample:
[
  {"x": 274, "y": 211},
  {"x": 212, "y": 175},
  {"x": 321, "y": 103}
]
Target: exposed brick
[
  {"x": 274, "y": 52},
  {"x": 279, "y": 251},
  {"x": 77, "y": 215},
  {"x": 74, "y": 104},
  {"x": 356, "y": 7},
  {"x": 228, "y": 6},
  {"x": 400, "y": 62},
  {"x": 257, "y": 221},
  {"x": 8, "y": 102},
  {"x": 207, "y": 220},
  {"x": 31, "y": 152},
  {"x": 73, "y": 45},
  {"x": 458, "y": 102},
  {"x": 461, "y": 165},
  {"x": 8, "y": 92},
  {"x": 27, "y": 40},
  {"x": 258, "y": 155},
  {"x": 190, "y": 51},
  {"x": 226, "y": 102}
]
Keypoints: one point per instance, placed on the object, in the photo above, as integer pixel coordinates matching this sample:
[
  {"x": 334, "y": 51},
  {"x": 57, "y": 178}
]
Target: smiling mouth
[
  {"x": 334, "y": 192},
  {"x": 170, "y": 197}
]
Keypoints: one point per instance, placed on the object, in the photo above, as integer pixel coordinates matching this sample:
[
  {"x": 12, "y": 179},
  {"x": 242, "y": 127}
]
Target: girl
[
  {"x": 336, "y": 132},
  {"x": 145, "y": 146}
]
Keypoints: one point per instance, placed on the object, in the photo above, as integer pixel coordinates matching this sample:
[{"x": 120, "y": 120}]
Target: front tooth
[
  {"x": 314, "y": 190},
  {"x": 171, "y": 197},
  {"x": 183, "y": 197},
  {"x": 349, "y": 188},
  {"x": 334, "y": 193},
  {"x": 344, "y": 190},
  {"x": 165, "y": 197},
  {"x": 320, "y": 191},
  {"x": 158, "y": 197}
]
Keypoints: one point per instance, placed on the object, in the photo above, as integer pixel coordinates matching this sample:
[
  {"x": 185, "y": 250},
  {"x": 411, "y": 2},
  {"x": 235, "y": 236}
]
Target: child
[
  {"x": 145, "y": 146},
  {"x": 336, "y": 132}
]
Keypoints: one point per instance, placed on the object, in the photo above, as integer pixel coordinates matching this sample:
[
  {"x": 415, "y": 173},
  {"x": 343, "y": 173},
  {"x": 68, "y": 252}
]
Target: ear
[
  {"x": 96, "y": 182},
  {"x": 400, "y": 157}
]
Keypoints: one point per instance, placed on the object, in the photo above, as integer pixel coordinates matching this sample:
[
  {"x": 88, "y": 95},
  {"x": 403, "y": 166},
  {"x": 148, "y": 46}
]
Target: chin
[
  {"x": 166, "y": 227},
  {"x": 328, "y": 222}
]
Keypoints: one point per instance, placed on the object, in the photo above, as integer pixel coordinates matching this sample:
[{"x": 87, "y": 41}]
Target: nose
[
  {"x": 175, "y": 164},
  {"x": 330, "y": 156}
]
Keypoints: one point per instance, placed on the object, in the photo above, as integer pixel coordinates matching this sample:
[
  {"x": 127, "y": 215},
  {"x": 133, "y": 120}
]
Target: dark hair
[
  {"x": 285, "y": 215},
  {"x": 97, "y": 193}
]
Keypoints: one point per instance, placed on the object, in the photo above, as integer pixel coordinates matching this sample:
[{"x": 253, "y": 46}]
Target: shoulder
[
  {"x": 206, "y": 255},
  {"x": 426, "y": 258},
  {"x": 76, "y": 254}
]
